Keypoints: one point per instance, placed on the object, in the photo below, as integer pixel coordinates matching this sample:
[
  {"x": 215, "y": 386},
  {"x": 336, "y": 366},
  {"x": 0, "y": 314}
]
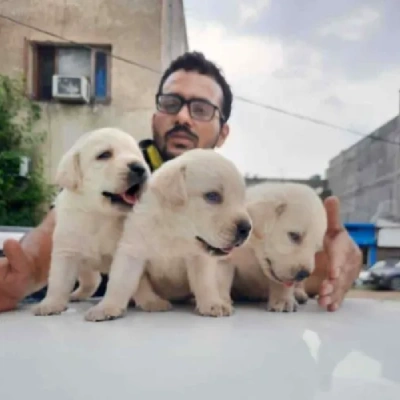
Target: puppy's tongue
[
  {"x": 129, "y": 198},
  {"x": 288, "y": 284}
]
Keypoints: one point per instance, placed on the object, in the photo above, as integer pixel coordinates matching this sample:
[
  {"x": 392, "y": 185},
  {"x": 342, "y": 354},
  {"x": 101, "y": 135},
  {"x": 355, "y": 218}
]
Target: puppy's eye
[
  {"x": 213, "y": 197},
  {"x": 105, "y": 155},
  {"x": 295, "y": 237}
]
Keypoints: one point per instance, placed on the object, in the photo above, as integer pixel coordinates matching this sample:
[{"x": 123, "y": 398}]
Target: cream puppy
[
  {"x": 289, "y": 225},
  {"x": 192, "y": 213},
  {"x": 102, "y": 177}
]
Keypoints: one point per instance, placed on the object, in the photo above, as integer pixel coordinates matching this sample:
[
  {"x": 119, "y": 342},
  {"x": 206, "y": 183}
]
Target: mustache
[{"x": 181, "y": 128}]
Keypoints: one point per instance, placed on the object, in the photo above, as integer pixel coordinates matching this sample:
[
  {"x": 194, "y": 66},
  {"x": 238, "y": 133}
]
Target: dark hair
[{"x": 196, "y": 61}]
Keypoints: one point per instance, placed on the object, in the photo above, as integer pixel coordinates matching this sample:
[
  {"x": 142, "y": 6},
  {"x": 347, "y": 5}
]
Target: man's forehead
[{"x": 192, "y": 84}]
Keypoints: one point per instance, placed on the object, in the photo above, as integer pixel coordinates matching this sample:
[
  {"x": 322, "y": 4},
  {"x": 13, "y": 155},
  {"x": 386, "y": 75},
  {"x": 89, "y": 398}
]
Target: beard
[{"x": 161, "y": 141}]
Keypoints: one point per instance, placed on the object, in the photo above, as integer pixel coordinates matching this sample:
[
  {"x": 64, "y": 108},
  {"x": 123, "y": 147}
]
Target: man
[{"x": 193, "y": 108}]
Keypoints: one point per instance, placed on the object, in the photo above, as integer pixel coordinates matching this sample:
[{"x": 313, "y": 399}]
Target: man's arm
[
  {"x": 338, "y": 265},
  {"x": 25, "y": 268}
]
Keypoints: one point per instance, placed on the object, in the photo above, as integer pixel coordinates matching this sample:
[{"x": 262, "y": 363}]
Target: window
[{"x": 53, "y": 59}]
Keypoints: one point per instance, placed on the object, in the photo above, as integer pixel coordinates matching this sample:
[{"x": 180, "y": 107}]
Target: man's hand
[
  {"x": 16, "y": 272},
  {"x": 341, "y": 258}
]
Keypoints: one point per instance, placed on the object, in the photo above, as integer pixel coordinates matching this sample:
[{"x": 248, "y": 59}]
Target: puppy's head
[
  {"x": 106, "y": 167},
  {"x": 289, "y": 223},
  {"x": 207, "y": 191}
]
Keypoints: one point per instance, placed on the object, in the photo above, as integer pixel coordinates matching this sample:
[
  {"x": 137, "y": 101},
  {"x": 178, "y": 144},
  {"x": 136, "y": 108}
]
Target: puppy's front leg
[
  {"x": 89, "y": 281},
  {"x": 62, "y": 277},
  {"x": 124, "y": 279},
  {"x": 203, "y": 280},
  {"x": 281, "y": 298},
  {"x": 225, "y": 275},
  {"x": 300, "y": 293}
]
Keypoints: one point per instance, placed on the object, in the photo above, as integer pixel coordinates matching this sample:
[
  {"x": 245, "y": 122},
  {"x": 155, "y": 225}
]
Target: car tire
[{"x": 395, "y": 284}]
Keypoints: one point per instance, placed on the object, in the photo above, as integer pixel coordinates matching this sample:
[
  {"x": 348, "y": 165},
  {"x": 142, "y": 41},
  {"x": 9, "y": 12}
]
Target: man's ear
[
  {"x": 223, "y": 135},
  {"x": 169, "y": 185},
  {"x": 263, "y": 215},
  {"x": 69, "y": 173}
]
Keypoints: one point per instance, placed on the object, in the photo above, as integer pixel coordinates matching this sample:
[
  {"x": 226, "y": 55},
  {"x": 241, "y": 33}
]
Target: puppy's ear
[
  {"x": 264, "y": 214},
  {"x": 259, "y": 212},
  {"x": 280, "y": 209},
  {"x": 69, "y": 173},
  {"x": 170, "y": 187}
]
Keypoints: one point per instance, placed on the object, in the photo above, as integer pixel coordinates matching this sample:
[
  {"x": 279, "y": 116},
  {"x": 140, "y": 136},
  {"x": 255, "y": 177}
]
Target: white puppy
[
  {"x": 102, "y": 177},
  {"x": 192, "y": 213},
  {"x": 289, "y": 225}
]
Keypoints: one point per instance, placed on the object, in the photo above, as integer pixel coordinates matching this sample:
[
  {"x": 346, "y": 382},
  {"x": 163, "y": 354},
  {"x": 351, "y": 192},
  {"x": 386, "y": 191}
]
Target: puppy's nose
[
  {"x": 136, "y": 168},
  {"x": 243, "y": 228},
  {"x": 301, "y": 275}
]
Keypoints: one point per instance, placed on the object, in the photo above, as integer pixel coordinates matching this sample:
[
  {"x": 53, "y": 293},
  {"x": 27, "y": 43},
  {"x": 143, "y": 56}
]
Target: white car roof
[{"x": 309, "y": 355}]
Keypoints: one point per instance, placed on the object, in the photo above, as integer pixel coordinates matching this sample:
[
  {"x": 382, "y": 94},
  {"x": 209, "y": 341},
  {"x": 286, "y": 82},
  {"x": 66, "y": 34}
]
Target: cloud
[
  {"x": 291, "y": 76},
  {"x": 353, "y": 27},
  {"x": 250, "y": 11},
  {"x": 237, "y": 54}
]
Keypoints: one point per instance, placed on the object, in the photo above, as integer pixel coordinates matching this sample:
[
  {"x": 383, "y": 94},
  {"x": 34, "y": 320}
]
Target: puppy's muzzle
[
  {"x": 301, "y": 275},
  {"x": 136, "y": 174},
  {"x": 243, "y": 229},
  {"x": 135, "y": 180}
]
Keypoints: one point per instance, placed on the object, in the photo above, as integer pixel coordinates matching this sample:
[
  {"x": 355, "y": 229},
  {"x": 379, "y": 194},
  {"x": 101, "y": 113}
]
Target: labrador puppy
[
  {"x": 102, "y": 177},
  {"x": 192, "y": 214},
  {"x": 289, "y": 225}
]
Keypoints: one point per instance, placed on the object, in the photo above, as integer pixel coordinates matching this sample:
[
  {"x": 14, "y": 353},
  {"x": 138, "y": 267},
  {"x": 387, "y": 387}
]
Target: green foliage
[{"x": 23, "y": 200}]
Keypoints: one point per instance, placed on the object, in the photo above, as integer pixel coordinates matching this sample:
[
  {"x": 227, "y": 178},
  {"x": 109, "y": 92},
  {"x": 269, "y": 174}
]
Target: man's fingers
[
  {"x": 17, "y": 259},
  {"x": 338, "y": 256},
  {"x": 327, "y": 291},
  {"x": 332, "y": 207},
  {"x": 327, "y": 288}
]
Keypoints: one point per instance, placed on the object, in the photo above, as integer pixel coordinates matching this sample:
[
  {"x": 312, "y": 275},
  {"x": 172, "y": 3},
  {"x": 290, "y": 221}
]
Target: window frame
[{"x": 33, "y": 73}]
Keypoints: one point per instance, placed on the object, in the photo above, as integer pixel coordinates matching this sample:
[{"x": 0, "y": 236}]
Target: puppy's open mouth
[
  {"x": 127, "y": 198},
  {"x": 272, "y": 272},
  {"x": 214, "y": 251}
]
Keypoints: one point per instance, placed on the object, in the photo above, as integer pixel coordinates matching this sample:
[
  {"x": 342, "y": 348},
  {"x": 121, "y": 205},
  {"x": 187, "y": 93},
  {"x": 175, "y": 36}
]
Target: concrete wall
[
  {"x": 134, "y": 28},
  {"x": 366, "y": 176},
  {"x": 174, "y": 33}
]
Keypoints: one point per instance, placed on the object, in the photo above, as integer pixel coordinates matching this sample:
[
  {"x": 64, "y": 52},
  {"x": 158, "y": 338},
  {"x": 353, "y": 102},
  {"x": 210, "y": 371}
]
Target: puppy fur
[
  {"x": 94, "y": 175},
  {"x": 289, "y": 225},
  {"x": 194, "y": 199}
]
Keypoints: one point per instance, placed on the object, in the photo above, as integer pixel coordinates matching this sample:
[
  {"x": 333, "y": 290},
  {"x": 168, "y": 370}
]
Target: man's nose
[{"x": 183, "y": 117}]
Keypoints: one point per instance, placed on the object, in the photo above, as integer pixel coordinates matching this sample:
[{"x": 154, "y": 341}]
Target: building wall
[
  {"x": 388, "y": 252},
  {"x": 174, "y": 33},
  {"x": 135, "y": 30},
  {"x": 365, "y": 177}
]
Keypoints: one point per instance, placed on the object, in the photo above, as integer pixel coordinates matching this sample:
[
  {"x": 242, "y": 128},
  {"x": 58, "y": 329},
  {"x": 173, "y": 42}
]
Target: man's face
[{"x": 175, "y": 133}]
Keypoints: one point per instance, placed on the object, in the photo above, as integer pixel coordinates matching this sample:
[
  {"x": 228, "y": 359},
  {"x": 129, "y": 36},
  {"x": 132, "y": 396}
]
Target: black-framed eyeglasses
[{"x": 199, "y": 109}]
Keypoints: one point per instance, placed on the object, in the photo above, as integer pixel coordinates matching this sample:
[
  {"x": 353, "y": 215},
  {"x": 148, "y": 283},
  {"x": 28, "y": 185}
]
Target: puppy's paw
[
  {"x": 288, "y": 304},
  {"x": 215, "y": 309},
  {"x": 155, "y": 305},
  {"x": 300, "y": 295},
  {"x": 104, "y": 312},
  {"x": 49, "y": 307}
]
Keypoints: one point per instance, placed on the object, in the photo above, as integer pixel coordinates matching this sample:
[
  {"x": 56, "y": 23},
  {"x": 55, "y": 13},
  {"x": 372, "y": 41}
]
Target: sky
[{"x": 334, "y": 61}]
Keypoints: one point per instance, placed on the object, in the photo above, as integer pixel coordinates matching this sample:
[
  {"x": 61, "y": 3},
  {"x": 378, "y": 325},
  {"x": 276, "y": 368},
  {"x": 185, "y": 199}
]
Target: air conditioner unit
[{"x": 74, "y": 89}]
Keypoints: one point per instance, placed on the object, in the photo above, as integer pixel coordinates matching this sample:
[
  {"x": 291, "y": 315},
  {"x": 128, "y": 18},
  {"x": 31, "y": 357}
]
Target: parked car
[
  {"x": 11, "y": 232},
  {"x": 384, "y": 274}
]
